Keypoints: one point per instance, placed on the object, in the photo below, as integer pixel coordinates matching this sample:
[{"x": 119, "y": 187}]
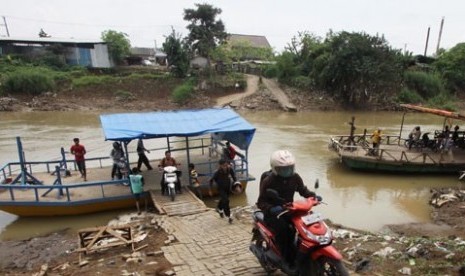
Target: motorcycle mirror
[{"x": 317, "y": 184}]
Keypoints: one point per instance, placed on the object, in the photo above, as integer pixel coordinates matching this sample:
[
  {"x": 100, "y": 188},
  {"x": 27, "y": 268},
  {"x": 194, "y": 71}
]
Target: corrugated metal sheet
[{"x": 42, "y": 40}]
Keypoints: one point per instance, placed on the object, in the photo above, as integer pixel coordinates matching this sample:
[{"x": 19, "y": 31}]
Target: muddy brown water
[{"x": 365, "y": 201}]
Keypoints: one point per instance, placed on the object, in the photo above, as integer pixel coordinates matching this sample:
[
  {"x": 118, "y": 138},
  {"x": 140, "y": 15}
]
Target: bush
[
  {"x": 52, "y": 61},
  {"x": 302, "y": 82},
  {"x": 183, "y": 92},
  {"x": 33, "y": 81},
  {"x": 93, "y": 80},
  {"x": 409, "y": 96},
  {"x": 270, "y": 72},
  {"x": 425, "y": 84}
]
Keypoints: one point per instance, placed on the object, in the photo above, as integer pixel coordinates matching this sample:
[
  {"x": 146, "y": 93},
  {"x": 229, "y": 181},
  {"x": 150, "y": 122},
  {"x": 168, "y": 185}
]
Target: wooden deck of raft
[{"x": 184, "y": 204}]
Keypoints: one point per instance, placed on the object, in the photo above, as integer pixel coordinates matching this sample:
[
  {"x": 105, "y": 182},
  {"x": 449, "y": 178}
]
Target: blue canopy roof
[{"x": 222, "y": 123}]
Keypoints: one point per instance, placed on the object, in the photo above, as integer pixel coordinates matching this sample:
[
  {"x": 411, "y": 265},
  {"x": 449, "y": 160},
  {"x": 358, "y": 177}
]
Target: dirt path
[{"x": 252, "y": 87}]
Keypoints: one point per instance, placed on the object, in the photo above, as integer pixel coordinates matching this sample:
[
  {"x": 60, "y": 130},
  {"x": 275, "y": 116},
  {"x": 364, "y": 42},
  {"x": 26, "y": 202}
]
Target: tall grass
[
  {"x": 183, "y": 92},
  {"x": 409, "y": 96},
  {"x": 425, "y": 84},
  {"x": 29, "y": 81}
]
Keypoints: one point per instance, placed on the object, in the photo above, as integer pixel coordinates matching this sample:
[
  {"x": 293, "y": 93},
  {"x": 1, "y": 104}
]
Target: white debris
[
  {"x": 344, "y": 234},
  {"x": 388, "y": 238},
  {"x": 450, "y": 256},
  {"x": 413, "y": 251},
  {"x": 140, "y": 237},
  {"x": 384, "y": 252},
  {"x": 405, "y": 271}
]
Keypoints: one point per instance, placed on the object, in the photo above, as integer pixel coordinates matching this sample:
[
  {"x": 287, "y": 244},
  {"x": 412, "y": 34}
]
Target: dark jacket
[
  {"x": 221, "y": 177},
  {"x": 286, "y": 187}
]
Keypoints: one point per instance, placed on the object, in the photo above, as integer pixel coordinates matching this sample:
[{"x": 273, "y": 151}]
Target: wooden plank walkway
[{"x": 184, "y": 204}]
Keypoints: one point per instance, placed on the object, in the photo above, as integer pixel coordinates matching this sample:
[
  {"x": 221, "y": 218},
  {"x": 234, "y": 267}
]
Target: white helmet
[{"x": 282, "y": 163}]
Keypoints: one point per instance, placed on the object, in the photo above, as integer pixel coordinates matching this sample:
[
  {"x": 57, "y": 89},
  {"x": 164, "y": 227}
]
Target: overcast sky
[{"x": 404, "y": 23}]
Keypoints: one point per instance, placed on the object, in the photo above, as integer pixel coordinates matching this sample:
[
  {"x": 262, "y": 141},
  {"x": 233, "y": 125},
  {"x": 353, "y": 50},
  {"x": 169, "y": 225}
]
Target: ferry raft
[
  {"x": 393, "y": 156},
  {"x": 54, "y": 188}
]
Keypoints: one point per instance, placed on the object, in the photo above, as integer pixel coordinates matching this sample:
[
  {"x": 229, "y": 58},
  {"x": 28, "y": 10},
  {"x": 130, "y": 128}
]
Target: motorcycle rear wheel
[
  {"x": 260, "y": 243},
  {"x": 324, "y": 266}
]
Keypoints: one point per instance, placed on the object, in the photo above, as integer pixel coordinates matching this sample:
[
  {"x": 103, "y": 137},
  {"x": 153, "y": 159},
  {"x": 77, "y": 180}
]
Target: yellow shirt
[{"x": 376, "y": 137}]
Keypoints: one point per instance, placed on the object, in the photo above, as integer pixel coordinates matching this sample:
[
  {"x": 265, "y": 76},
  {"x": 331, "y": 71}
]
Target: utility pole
[
  {"x": 6, "y": 26},
  {"x": 439, "y": 37},
  {"x": 155, "y": 52},
  {"x": 427, "y": 39}
]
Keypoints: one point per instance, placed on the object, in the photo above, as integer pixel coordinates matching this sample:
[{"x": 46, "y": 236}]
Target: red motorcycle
[{"x": 315, "y": 254}]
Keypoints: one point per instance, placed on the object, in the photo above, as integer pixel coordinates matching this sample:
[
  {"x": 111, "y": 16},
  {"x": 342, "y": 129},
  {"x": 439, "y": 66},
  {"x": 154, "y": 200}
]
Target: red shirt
[{"x": 78, "y": 151}]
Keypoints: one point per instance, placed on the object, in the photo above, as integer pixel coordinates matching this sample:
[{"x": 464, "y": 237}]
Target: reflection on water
[{"x": 361, "y": 200}]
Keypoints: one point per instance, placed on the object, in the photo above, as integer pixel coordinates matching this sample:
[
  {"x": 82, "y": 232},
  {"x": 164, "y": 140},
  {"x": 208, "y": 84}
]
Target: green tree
[
  {"x": 176, "y": 51},
  {"x": 451, "y": 67},
  {"x": 205, "y": 32},
  {"x": 356, "y": 67},
  {"x": 286, "y": 67},
  {"x": 305, "y": 47},
  {"x": 118, "y": 45}
]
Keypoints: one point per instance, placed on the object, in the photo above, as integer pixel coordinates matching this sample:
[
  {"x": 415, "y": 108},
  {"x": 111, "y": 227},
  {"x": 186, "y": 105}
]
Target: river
[{"x": 360, "y": 200}]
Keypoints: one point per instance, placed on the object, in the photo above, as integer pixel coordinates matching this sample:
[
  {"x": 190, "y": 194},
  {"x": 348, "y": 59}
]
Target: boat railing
[
  {"x": 239, "y": 166},
  {"x": 391, "y": 149},
  {"x": 49, "y": 166},
  {"x": 364, "y": 140},
  {"x": 65, "y": 193}
]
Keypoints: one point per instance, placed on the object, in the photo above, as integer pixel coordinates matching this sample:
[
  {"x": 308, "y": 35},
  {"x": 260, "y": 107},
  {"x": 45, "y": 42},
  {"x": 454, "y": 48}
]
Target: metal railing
[
  {"x": 66, "y": 193},
  {"x": 48, "y": 166}
]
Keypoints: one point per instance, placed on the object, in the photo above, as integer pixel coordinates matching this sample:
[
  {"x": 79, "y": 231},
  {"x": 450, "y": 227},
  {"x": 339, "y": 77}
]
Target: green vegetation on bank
[
  {"x": 360, "y": 70},
  {"x": 29, "y": 80},
  {"x": 183, "y": 92},
  {"x": 355, "y": 69}
]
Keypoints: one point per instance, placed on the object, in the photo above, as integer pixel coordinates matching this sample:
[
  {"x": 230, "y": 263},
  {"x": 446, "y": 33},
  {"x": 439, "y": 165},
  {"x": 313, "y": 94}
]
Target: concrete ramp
[{"x": 279, "y": 94}]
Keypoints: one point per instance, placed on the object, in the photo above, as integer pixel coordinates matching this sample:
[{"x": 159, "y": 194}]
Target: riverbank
[
  {"x": 205, "y": 244},
  {"x": 257, "y": 96}
]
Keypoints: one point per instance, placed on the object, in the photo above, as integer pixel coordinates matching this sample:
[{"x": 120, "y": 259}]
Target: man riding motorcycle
[{"x": 286, "y": 182}]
